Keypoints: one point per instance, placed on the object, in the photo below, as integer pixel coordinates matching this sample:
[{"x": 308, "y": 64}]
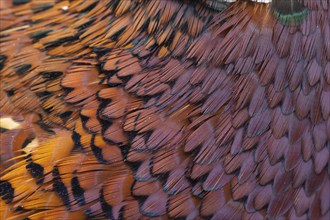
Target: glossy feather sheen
[{"x": 171, "y": 109}]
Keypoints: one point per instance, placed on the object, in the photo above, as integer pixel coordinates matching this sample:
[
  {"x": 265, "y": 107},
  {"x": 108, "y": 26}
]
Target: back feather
[{"x": 170, "y": 109}]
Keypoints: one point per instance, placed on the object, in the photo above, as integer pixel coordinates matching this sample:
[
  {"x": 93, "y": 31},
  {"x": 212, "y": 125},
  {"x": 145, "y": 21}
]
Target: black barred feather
[{"x": 176, "y": 109}]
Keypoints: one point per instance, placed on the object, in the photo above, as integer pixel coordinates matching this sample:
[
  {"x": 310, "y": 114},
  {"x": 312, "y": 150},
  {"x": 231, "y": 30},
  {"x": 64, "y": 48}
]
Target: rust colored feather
[{"x": 136, "y": 109}]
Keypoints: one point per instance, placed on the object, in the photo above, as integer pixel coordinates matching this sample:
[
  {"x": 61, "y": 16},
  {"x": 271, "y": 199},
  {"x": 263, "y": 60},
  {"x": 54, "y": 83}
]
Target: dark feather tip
[
  {"x": 216, "y": 5},
  {"x": 289, "y": 12}
]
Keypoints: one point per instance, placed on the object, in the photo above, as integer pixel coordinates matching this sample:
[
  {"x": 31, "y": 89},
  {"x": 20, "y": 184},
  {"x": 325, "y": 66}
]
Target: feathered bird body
[{"x": 139, "y": 109}]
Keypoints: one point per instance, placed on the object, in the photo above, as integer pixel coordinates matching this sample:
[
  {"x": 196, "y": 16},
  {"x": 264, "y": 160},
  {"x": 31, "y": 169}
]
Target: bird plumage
[{"x": 164, "y": 109}]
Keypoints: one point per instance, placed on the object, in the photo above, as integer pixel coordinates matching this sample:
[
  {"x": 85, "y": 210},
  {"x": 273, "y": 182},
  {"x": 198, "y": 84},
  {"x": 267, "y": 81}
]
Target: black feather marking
[
  {"x": 60, "y": 188},
  {"x": 44, "y": 94},
  {"x": 3, "y": 130},
  {"x": 289, "y": 12},
  {"x": 65, "y": 116},
  {"x": 20, "y": 2},
  {"x": 98, "y": 153},
  {"x": 40, "y": 34},
  {"x": 10, "y": 92},
  {"x": 77, "y": 191},
  {"x": 105, "y": 206},
  {"x": 36, "y": 171},
  {"x": 28, "y": 158},
  {"x": 89, "y": 7},
  {"x": 22, "y": 69},
  {"x": 51, "y": 75},
  {"x": 62, "y": 40},
  {"x": 27, "y": 141},
  {"x": 42, "y": 8},
  {"x": 216, "y": 5},
  {"x": 3, "y": 59},
  {"x": 115, "y": 36},
  {"x": 6, "y": 191},
  {"x": 45, "y": 127},
  {"x": 86, "y": 24},
  {"x": 76, "y": 139}
]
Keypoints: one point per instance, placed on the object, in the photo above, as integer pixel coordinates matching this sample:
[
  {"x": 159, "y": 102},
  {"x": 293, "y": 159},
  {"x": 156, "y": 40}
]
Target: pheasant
[{"x": 176, "y": 109}]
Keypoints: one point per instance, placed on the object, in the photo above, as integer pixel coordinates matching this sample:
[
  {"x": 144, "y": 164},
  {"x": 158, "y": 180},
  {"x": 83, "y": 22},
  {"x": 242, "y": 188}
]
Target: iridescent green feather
[
  {"x": 217, "y": 5},
  {"x": 289, "y": 12}
]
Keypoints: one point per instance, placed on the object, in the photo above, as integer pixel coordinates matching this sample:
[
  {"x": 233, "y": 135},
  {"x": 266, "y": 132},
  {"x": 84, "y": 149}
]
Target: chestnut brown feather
[{"x": 164, "y": 109}]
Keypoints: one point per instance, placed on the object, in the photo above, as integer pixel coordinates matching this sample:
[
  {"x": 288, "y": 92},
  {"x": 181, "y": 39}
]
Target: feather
[
  {"x": 321, "y": 159},
  {"x": 314, "y": 181},
  {"x": 212, "y": 109},
  {"x": 279, "y": 204},
  {"x": 183, "y": 205},
  {"x": 212, "y": 202},
  {"x": 155, "y": 205},
  {"x": 228, "y": 211},
  {"x": 216, "y": 179},
  {"x": 241, "y": 190},
  {"x": 289, "y": 12},
  {"x": 282, "y": 181},
  {"x": 176, "y": 181},
  {"x": 268, "y": 171}
]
